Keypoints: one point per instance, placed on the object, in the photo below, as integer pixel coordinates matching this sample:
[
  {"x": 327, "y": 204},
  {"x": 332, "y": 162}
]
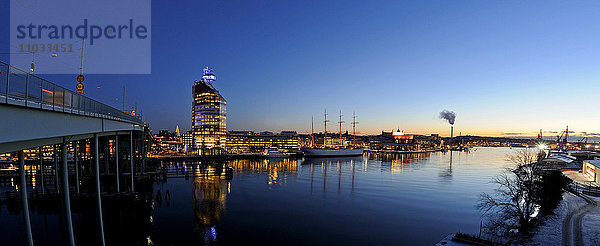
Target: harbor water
[{"x": 401, "y": 199}]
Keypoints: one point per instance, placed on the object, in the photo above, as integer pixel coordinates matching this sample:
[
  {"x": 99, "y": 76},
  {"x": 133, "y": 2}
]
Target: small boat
[{"x": 275, "y": 154}]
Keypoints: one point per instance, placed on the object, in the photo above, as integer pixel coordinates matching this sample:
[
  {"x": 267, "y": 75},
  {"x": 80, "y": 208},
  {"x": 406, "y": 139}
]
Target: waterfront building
[
  {"x": 591, "y": 168},
  {"x": 250, "y": 142},
  {"x": 558, "y": 159},
  {"x": 208, "y": 116},
  {"x": 187, "y": 140},
  {"x": 400, "y": 137},
  {"x": 384, "y": 137},
  {"x": 166, "y": 142},
  {"x": 400, "y": 141}
]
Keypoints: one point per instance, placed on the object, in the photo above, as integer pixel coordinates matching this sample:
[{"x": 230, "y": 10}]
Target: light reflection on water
[
  {"x": 399, "y": 199},
  {"x": 376, "y": 199}
]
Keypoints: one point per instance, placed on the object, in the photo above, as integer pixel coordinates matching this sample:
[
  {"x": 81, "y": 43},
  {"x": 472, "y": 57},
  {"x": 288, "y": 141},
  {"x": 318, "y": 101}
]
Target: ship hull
[{"x": 318, "y": 152}]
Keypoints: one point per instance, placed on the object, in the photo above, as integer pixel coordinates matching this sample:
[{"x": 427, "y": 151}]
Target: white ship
[{"x": 333, "y": 151}]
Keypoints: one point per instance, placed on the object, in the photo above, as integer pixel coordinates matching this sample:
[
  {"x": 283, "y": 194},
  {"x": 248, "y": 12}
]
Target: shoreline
[{"x": 573, "y": 223}]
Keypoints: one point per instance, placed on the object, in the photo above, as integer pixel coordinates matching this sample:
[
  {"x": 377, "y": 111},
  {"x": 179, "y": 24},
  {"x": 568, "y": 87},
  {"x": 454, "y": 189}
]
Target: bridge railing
[{"x": 18, "y": 87}]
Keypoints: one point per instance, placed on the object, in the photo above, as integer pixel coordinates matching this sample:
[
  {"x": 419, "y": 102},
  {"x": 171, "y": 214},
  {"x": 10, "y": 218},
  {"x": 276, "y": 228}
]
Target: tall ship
[{"x": 329, "y": 149}]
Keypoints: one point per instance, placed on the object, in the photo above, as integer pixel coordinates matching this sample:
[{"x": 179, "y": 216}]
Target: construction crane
[{"x": 562, "y": 139}]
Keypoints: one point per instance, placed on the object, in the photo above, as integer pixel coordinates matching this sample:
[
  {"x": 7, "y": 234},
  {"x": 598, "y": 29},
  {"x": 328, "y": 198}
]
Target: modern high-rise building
[{"x": 208, "y": 116}]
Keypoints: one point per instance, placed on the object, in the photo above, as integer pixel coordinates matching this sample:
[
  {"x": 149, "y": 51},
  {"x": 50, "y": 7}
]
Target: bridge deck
[{"x": 37, "y": 112}]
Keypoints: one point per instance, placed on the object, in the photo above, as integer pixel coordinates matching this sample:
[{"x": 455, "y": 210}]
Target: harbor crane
[{"x": 562, "y": 139}]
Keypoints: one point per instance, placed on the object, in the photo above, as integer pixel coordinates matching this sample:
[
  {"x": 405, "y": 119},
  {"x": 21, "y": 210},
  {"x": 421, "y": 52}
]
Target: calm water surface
[{"x": 370, "y": 200}]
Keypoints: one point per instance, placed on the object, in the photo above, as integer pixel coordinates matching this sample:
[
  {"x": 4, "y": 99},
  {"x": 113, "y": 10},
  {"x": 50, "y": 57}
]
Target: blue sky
[{"x": 502, "y": 66}]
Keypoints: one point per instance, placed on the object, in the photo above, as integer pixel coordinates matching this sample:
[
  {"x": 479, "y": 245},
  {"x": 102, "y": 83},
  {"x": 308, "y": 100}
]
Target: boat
[
  {"x": 333, "y": 151},
  {"x": 275, "y": 154}
]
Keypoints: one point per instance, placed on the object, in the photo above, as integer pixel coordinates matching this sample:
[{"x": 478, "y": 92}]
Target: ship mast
[
  {"x": 354, "y": 128},
  {"x": 325, "y": 122},
  {"x": 312, "y": 131},
  {"x": 340, "y": 122}
]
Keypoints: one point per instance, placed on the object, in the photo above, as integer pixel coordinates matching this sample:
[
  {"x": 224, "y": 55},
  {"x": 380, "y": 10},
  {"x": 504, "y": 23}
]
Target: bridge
[{"x": 41, "y": 117}]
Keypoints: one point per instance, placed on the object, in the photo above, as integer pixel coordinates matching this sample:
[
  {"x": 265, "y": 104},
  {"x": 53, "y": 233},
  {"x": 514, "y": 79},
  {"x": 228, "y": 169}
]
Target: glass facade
[
  {"x": 252, "y": 143},
  {"x": 208, "y": 117}
]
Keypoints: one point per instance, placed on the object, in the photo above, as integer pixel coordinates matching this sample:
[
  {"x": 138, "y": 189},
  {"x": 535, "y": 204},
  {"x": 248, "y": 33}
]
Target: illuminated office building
[
  {"x": 187, "y": 140},
  {"x": 250, "y": 142},
  {"x": 208, "y": 116}
]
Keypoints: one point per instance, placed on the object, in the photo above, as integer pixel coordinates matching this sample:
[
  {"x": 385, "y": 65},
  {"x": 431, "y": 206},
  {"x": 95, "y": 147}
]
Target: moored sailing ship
[{"x": 330, "y": 150}]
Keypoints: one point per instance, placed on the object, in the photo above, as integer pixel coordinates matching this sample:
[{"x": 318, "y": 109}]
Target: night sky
[{"x": 505, "y": 67}]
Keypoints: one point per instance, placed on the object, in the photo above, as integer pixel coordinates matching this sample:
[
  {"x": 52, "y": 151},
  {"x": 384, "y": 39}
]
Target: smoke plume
[{"x": 450, "y": 116}]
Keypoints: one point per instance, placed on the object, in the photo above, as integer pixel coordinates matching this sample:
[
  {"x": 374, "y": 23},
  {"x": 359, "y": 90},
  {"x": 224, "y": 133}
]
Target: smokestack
[
  {"x": 449, "y": 116},
  {"x": 451, "y": 133}
]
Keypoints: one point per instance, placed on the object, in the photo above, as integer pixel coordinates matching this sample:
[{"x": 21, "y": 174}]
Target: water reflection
[
  {"x": 326, "y": 163},
  {"x": 414, "y": 199},
  {"x": 405, "y": 158},
  {"x": 278, "y": 170},
  {"x": 401, "y": 163},
  {"x": 209, "y": 196},
  {"x": 446, "y": 173}
]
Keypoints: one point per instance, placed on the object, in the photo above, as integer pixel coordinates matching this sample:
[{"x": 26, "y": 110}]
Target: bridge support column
[
  {"x": 117, "y": 162},
  {"x": 131, "y": 157},
  {"x": 41, "y": 155},
  {"x": 98, "y": 197},
  {"x": 67, "y": 198},
  {"x": 106, "y": 155},
  {"x": 55, "y": 159},
  {"x": 23, "y": 187},
  {"x": 143, "y": 149},
  {"x": 76, "y": 157}
]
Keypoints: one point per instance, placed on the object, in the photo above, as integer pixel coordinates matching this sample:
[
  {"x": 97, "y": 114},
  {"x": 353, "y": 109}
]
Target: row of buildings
[
  {"x": 399, "y": 141},
  {"x": 240, "y": 142},
  {"x": 233, "y": 142},
  {"x": 209, "y": 135}
]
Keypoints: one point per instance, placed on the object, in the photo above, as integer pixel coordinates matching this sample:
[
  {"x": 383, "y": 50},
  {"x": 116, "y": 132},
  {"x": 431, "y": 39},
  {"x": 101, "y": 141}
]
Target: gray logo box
[{"x": 115, "y": 36}]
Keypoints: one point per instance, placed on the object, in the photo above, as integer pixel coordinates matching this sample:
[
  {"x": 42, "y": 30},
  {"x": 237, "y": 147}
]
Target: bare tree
[{"x": 516, "y": 198}]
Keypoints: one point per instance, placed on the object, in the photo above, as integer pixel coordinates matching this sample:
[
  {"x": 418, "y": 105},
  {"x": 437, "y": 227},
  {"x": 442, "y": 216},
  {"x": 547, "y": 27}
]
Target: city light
[{"x": 510, "y": 171}]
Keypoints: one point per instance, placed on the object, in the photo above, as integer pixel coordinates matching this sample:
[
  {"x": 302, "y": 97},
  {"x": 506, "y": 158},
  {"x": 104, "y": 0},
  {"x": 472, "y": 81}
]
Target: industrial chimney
[
  {"x": 450, "y": 116},
  {"x": 451, "y": 133}
]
